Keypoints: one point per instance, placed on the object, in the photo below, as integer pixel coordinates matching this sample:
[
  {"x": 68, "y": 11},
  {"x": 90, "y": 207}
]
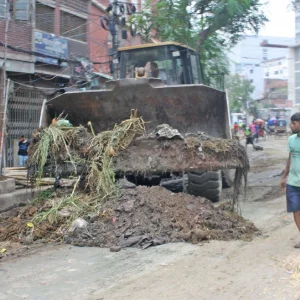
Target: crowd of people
[{"x": 252, "y": 132}]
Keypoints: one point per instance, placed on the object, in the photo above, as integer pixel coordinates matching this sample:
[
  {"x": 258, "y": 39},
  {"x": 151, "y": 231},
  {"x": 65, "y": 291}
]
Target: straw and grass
[{"x": 58, "y": 146}]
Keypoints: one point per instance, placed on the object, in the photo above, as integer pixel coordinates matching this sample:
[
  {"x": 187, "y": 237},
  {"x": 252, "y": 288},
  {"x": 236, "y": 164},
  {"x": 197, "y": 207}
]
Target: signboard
[{"x": 50, "y": 44}]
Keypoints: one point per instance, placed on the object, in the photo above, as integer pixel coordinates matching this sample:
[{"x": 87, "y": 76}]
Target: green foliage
[
  {"x": 44, "y": 195},
  {"x": 295, "y": 4},
  {"x": 239, "y": 93},
  {"x": 209, "y": 26}
]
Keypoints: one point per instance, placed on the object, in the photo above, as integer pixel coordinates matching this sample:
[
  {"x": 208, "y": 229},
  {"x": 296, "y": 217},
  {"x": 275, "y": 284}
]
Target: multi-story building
[
  {"x": 50, "y": 44},
  {"x": 294, "y": 66},
  {"x": 276, "y": 68},
  {"x": 276, "y": 83},
  {"x": 62, "y": 31},
  {"x": 67, "y": 34},
  {"x": 247, "y": 56}
]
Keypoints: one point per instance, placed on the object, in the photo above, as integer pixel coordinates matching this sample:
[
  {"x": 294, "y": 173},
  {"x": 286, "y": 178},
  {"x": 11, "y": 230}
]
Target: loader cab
[{"x": 173, "y": 63}]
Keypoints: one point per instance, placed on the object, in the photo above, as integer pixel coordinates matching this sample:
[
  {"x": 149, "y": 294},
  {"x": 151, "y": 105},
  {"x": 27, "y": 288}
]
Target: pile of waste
[
  {"x": 140, "y": 216},
  {"x": 77, "y": 151},
  {"x": 97, "y": 210}
]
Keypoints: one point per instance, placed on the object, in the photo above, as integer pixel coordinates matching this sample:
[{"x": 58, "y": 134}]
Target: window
[
  {"x": 267, "y": 74},
  {"x": 195, "y": 69},
  {"x": 297, "y": 54},
  {"x": 2, "y": 8},
  {"x": 251, "y": 80},
  {"x": 80, "y": 6},
  {"x": 73, "y": 27},
  {"x": 265, "y": 54},
  {"x": 251, "y": 71},
  {"x": 276, "y": 72},
  {"x": 21, "y": 10},
  {"x": 297, "y": 83},
  {"x": 298, "y": 96},
  {"x": 298, "y": 24},
  {"x": 44, "y": 18}
]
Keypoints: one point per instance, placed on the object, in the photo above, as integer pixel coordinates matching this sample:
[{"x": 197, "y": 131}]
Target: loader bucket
[{"x": 188, "y": 108}]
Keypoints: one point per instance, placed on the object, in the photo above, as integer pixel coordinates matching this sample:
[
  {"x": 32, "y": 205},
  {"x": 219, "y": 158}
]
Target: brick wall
[
  {"x": 19, "y": 35},
  {"x": 98, "y": 40},
  {"x": 275, "y": 83}
]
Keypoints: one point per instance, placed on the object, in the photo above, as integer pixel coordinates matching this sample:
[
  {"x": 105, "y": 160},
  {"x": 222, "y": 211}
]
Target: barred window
[
  {"x": 44, "y": 18},
  {"x": 73, "y": 27}
]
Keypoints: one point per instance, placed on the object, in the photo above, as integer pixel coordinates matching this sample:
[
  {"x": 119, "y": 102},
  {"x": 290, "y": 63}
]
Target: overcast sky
[{"x": 282, "y": 19}]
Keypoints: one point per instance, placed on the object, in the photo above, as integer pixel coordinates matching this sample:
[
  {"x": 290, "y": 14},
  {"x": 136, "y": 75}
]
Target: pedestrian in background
[
  {"x": 291, "y": 176},
  {"x": 23, "y": 150},
  {"x": 236, "y": 128},
  {"x": 252, "y": 128},
  {"x": 249, "y": 137}
]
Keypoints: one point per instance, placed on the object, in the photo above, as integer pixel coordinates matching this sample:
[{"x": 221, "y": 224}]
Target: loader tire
[
  {"x": 226, "y": 179},
  {"x": 206, "y": 184}
]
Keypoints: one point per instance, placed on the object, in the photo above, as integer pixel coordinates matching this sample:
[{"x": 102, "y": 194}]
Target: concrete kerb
[
  {"x": 7, "y": 186},
  {"x": 22, "y": 196}
]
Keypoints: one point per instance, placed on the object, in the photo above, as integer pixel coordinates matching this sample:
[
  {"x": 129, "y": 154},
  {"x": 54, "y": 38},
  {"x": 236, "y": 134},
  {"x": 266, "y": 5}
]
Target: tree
[
  {"x": 209, "y": 26},
  {"x": 295, "y": 4},
  {"x": 239, "y": 93},
  {"x": 188, "y": 21}
]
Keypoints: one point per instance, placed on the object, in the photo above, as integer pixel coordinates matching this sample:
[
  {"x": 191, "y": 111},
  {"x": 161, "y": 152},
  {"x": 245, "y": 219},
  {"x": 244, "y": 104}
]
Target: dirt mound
[
  {"x": 145, "y": 216},
  {"x": 140, "y": 217}
]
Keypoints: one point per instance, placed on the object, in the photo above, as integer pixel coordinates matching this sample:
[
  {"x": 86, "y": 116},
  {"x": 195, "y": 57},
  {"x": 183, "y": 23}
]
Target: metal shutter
[
  {"x": 44, "y": 18},
  {"x": 73, "y": 27},
  {"x": 76, "y": 5}
]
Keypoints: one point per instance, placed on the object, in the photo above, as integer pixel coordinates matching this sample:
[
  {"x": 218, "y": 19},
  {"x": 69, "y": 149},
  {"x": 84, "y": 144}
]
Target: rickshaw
[
  {"x": 272, "y": 126},
  {"x": 280, "y": 128}
]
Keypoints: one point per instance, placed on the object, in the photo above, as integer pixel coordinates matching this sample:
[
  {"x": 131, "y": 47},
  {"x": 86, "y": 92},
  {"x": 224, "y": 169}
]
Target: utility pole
[{"x": 115, "y": 23}]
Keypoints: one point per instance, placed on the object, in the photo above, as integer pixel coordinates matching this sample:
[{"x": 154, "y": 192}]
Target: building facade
[
  {"x": 294, "y": 66},
  {"x": 247, "y": 56},
  {"x": 68, "y": 35},
  {"x": 276, "y": 68},
  {"x": 48, "y": 45}
]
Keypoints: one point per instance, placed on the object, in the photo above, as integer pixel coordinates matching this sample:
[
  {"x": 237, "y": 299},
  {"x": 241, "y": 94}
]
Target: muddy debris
[
  {"x": 141, "y": 217},
  {"x": 151, "y": 216}
]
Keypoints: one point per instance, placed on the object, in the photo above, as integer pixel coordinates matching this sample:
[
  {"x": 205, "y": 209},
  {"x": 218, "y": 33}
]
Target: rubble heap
[
  {"x": 140, "y": 217},
  {"x": 108, "y": 216}
]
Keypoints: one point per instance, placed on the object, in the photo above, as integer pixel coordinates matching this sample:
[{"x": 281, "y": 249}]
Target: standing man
[
  {"x": 291, "y": 175},
  {"x": 22, "y": 153},
  {"x": 249, "y": 137}
]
